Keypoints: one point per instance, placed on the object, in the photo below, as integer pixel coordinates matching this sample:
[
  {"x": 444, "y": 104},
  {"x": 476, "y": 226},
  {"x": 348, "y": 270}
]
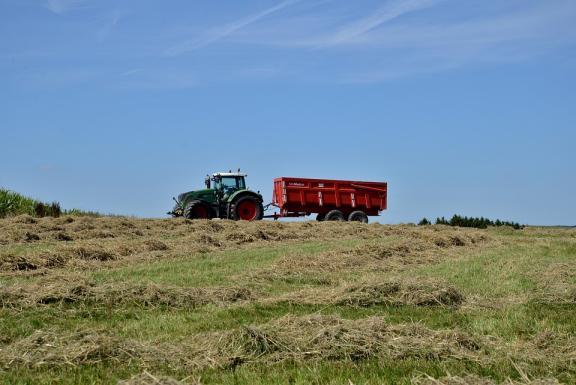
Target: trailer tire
[
  {"x": 320, "y": 217},
  {"x": 334, "y": 215},
  {"x": 358, "y": 216},
  {"x": 247, "y": 208},
  {"x": 197, "y": 210}
]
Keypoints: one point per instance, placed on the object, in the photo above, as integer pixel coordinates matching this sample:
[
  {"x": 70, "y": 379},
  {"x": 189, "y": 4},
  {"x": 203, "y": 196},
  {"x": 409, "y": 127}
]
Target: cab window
[{"x": 228, "y": 183}]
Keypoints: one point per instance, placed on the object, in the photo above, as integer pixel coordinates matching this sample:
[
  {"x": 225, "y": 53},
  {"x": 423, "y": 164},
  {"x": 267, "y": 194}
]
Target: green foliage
[
  {"x": 424, "y": 222},
  {"x": 12, "y": 203},
  {"x": 83, "y": 213},
  {"x": 479, "y": 223}
]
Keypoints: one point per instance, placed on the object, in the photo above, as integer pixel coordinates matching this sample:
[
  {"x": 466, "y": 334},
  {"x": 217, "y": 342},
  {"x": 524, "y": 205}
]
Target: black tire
[
  {"x": 334, "y": 215},
  {"x": 320, "y": 217},
  {"x": 197, "y": 210},
  {"x": 238, "y": 210},
  {"x": 358, "y": 216}
]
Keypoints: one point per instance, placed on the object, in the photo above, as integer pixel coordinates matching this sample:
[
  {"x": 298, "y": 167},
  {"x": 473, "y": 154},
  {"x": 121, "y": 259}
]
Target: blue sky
[{"x": 462, "y": 106}]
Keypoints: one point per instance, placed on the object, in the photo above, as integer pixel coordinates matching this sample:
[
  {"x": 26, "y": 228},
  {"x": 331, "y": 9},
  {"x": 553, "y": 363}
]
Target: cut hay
[
  {"x": 48, "y": 348},
  {"x": 397, "y": 255},
  {"x": 72, "y": 289},
  {"x": 390, "y": 293},
  {"x": 401, "y": 293},
  {"x": 92, "y": 252},
  {"x": 332, "y": 338},
  {"x": 556, "y": 284},
  {"x": 155, "y": 245}
]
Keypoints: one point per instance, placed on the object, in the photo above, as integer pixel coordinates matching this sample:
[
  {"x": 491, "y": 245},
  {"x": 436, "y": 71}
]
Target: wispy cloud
[
  {"x": 111, "y": 22},
  {"x": 62, "y": 6},
  {"x": 226, "y": 30},
  {"x": 424, "y": 43},
  {"x": 383, "y": 15}
]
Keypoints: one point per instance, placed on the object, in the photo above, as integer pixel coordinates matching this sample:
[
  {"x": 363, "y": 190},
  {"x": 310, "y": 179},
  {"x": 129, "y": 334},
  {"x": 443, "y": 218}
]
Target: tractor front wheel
[
  {"x": 247, "y": 209},
  {"x": 197, "y": 210}
]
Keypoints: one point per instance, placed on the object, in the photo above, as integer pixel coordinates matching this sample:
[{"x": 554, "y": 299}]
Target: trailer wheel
[
  {"x": 320, "y": 217},
  {"x": 197, "y": 210},
  {"x": 247, "y": 208},
  {"x": 334, "y": 215},
  {"x": 358, "y": 216}
]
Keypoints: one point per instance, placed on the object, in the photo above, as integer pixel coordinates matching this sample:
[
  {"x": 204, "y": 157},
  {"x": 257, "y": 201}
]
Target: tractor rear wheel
[
  {"x": 334, "y": 215},
  {"x": 197, "y": 210},
  {"x": 247, "y": 208},
  {"x": 358, "y": 216}
]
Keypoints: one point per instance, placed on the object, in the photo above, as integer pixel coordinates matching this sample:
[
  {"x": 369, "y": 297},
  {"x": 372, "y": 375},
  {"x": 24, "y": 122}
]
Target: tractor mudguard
[{"x": 239, "y": 193}]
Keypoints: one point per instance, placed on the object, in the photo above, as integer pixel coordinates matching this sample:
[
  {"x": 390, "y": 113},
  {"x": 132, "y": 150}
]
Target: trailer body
[{"x": 303, "y": 196}]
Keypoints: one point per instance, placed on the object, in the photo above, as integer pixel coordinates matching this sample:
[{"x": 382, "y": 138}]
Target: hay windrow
[
  {"x": 556, "y": 283},
  {"x": 300, "y": 339},
  {"x": 88, "y": 242},
  {"x": 421, "y": 248},
  {"x": 48, "y": 348},
  {"x": 318, "y": 337},
  {"x": 390, "y": 293},
  {"x": 81, "y": 291}
]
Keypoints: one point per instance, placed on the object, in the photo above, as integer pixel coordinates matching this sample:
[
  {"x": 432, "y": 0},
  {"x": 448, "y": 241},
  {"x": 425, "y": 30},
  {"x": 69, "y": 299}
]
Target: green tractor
[{"x": 225, "y": 196}]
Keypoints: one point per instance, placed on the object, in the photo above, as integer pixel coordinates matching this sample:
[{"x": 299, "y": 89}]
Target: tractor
[{"x": 225, "y": 196}]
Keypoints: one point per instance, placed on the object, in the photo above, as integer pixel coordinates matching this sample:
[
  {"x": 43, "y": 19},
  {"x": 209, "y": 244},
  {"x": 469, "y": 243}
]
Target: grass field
[{"x": 87, "y": 300}]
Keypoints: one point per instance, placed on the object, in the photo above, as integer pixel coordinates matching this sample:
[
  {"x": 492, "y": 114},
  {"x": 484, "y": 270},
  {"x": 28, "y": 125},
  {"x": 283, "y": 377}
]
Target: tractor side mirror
[{"x": 207, "y": 182}]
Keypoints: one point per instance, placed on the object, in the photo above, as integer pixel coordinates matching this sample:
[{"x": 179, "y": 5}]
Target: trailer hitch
[{"x": 274, "y": 215}]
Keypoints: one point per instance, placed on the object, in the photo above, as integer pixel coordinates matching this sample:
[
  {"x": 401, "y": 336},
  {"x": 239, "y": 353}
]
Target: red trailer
[{"x": 332, "y": 200}]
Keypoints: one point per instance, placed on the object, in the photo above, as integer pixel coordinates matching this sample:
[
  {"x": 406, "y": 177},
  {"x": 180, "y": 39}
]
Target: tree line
[{"x": 476, "y": 222}]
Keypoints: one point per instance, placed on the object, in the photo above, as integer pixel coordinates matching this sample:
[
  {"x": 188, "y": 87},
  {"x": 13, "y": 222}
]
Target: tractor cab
[{"x": 226, "y": 183}]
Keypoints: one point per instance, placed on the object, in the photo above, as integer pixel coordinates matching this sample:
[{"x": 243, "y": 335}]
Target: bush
[
  {"x": 12, "y": 203},
  {"x": 424, "y": 222},
  {"x": 479, "y": 223}
]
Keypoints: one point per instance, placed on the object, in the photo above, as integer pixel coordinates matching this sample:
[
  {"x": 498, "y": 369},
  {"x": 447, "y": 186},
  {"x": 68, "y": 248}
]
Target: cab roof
[{"x": 229, "y": 174}]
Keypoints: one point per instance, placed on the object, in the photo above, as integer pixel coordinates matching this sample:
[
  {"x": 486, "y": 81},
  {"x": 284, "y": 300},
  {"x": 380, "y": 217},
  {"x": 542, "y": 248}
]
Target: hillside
[{"x": 88, "y": 300}]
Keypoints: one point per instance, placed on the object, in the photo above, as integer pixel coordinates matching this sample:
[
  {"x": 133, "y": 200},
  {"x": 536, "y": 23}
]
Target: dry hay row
[
  {"x": 70, "y": 289},
  {"x": 288, "y": 338},
  {"x": 371, "y": 293},
  {"x": 79, "y": 254},
  {"x": 417, "y": 245},
  {"x": 302, "y": 339},
  {"x": 77, "y": 290},
  {"x": 416, "y": 248},
  {"x": 27, "y": 229},
  {"x": 23, "y": 229},
  {"x": 556, "y": 283}
]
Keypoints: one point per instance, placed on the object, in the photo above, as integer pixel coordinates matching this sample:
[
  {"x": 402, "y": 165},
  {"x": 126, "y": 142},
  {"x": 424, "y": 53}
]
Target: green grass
[
  {"x": 507, "y": 275},
  {"x": 504, "y": 272},
  {"x": 209, "y": 269}
]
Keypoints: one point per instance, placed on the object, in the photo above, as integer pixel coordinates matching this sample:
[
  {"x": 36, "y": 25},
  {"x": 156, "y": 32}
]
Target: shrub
[
  {"x": 12, "y": 203},
  {"x": 479, "y": 223},
  {"x": 424, "y": 222}
]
